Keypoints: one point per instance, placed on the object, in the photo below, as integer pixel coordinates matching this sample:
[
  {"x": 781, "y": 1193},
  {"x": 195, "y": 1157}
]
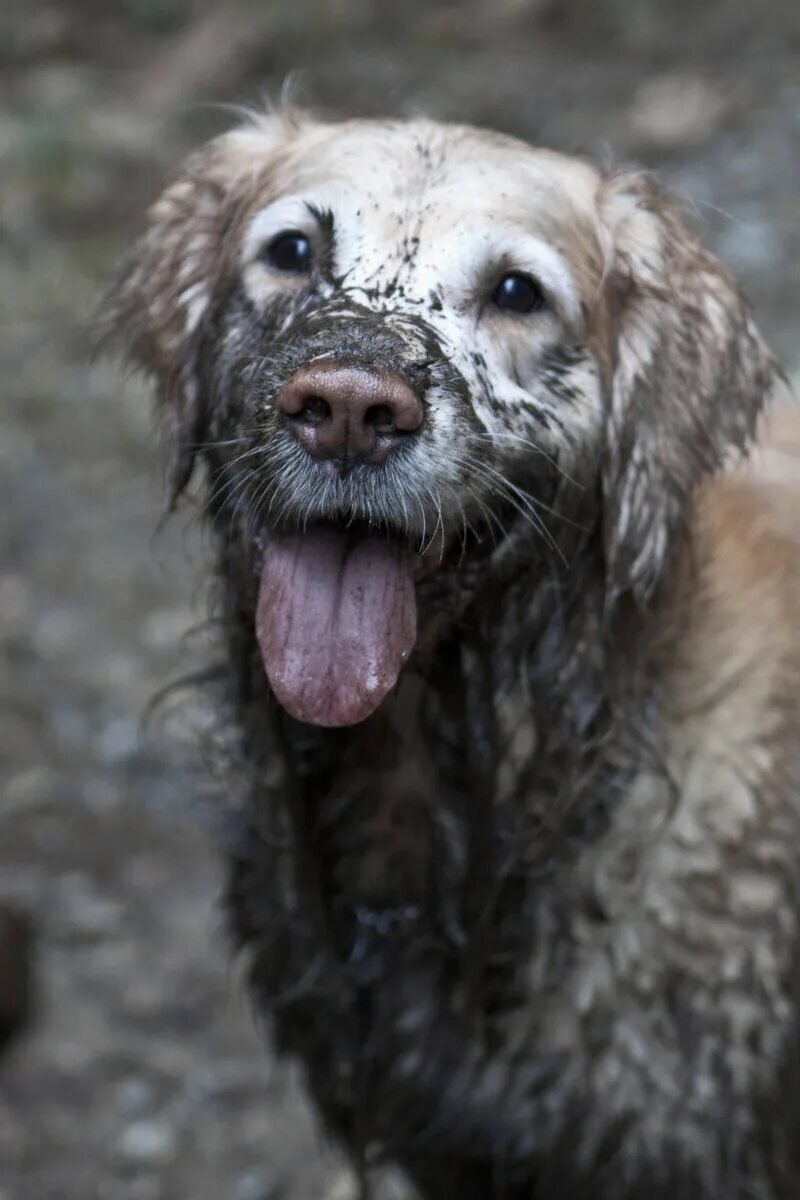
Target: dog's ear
[
  {"x": 161, "y": 294},
  {"x": 687, "y": 376}
]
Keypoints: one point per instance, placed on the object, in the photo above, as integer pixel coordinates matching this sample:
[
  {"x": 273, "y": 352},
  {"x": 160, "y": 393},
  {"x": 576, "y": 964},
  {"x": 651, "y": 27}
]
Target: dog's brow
[{"x": 323, "y": 216}]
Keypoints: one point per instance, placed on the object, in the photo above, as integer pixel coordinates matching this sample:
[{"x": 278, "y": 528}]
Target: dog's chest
[
  {"x": 421, "y": 855},
  {"x": 420, "y": 809}
]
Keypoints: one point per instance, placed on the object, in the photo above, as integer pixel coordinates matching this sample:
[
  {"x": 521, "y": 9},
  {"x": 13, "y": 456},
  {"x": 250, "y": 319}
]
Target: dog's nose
[{"x": 349, "y": 413}]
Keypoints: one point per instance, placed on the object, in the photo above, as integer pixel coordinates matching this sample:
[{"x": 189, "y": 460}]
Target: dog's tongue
[{"x": 336, "y": 620}]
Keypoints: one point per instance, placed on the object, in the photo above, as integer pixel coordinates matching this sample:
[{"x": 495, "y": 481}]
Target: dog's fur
[{"x": 533, "y": 926}]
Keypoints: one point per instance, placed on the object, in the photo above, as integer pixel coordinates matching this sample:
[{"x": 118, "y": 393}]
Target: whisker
[
  {"x": 536, "y": 501},
  {"x": 524, "y": 504},
  {"x": 254, "y": 452},
  {"x": 218, "y": 444},
  {"x": 517, "y": 438},
  {"x": 225, "y": 494}
]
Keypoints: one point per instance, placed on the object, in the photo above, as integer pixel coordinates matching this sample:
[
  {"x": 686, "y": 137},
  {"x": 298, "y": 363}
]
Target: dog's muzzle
[{"x": 336, "y": 619}]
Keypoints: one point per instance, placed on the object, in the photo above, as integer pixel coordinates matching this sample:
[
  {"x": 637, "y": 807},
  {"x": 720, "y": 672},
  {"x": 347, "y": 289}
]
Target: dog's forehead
[{"x": 425, "y": 170}]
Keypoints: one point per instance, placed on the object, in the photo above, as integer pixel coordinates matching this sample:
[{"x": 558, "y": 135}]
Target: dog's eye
[
  {"x": 290, "y": 252},
  {"x": 518, "y": 293}
]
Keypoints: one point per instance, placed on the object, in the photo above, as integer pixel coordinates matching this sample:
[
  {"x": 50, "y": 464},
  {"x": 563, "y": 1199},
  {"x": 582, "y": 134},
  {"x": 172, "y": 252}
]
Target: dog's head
[{"x": 392, "y": 341}]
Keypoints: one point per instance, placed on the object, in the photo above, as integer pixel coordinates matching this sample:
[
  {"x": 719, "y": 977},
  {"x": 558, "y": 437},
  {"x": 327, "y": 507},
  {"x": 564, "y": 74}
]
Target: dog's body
[{"x": 519, "y": 878}]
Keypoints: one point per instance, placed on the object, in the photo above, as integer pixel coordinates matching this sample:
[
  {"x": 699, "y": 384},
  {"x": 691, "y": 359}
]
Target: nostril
[
  {"x": 315, "y": 411},
  {"x": 381, "y": 418}
]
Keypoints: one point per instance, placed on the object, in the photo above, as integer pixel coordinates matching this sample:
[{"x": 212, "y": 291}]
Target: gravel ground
[{"x": 142, "y": 1077}]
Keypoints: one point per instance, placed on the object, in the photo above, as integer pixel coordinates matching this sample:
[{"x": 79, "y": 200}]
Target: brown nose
[{"x": 349, "y": 413}]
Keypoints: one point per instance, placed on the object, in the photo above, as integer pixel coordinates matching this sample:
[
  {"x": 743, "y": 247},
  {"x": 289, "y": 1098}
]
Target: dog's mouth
[{"x": 336, "y": 619}]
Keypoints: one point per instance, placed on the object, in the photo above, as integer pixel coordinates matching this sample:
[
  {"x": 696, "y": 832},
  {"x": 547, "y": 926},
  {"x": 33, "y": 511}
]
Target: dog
[{"x": 510, "y": 624}]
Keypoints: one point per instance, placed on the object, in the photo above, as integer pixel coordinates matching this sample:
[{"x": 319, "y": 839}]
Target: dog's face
[
  {"x": 460, "y": 262},
  {"x": 393, "y": 341}
]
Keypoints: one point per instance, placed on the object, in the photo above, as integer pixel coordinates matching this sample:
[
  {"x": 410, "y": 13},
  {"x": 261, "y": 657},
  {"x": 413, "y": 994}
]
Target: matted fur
[{"x": 533, "y": 926}]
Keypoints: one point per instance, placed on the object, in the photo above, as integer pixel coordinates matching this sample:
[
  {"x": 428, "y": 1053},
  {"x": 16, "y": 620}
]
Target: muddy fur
[{"x": 532, "y": 927}]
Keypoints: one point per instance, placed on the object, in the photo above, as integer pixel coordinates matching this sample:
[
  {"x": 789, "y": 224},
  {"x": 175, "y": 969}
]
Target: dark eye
[
  {"x": 290, "y": 252},
  {"x": 518, "y": 293}
]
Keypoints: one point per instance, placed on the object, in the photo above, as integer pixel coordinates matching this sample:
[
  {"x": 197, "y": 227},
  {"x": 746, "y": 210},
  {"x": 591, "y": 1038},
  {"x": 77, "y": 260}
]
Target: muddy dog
[{"x": 511, "y": 633}]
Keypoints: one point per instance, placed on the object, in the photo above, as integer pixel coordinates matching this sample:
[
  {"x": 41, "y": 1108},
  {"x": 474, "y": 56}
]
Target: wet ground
[{"x": 142, "y": 1077}]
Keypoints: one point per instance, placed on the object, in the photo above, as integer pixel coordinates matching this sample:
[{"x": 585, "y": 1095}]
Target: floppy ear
[
  {"x": 688, "y": 372},
  {"x": 161, "y": 295}
]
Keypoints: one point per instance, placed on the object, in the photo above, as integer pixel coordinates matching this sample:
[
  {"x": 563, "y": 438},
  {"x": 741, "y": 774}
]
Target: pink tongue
[{"x": 336, "y": 620}]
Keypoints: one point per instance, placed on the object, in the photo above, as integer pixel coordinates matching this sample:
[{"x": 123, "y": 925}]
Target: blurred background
[{"x": 141, "y": 1076}]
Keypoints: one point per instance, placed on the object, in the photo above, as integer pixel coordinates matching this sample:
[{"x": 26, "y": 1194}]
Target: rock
[
  {"x": 677, "y": 110},
  {"x": 148, "y": 1142},
  {"x": 134, "y": 1095},
  {"x": 257, "y": 1184},
  {"x": 343, "y": 1186}
]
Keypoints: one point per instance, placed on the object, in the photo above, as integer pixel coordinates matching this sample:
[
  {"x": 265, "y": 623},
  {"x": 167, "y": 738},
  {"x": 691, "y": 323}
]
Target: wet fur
[{"x": 532, "y": 928}]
